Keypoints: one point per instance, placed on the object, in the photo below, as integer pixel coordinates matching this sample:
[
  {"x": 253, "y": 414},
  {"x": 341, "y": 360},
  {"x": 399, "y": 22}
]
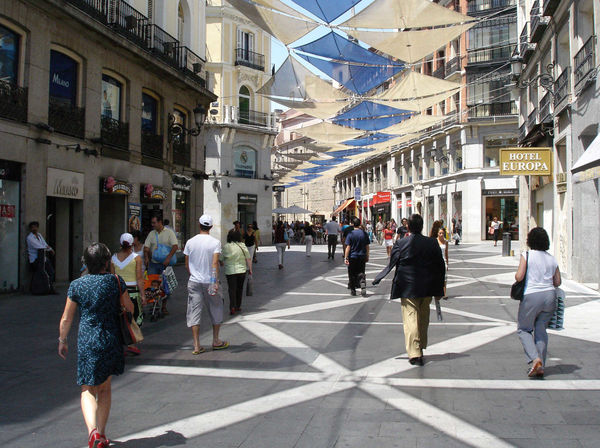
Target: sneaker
[{"x": 353, "y": 292}]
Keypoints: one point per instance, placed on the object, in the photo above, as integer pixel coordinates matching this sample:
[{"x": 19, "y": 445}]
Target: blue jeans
[{"x": 155, "y": 268}]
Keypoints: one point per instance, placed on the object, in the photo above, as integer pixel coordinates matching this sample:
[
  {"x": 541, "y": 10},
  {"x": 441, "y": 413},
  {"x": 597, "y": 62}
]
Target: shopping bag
[
  {"x": 558, "y": 318},
  {"x": 250, "y": 286},
  {"x": 169, "y": 280}
]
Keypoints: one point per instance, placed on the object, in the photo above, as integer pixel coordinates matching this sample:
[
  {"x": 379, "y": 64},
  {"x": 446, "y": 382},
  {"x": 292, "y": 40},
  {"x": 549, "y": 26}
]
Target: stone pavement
[{"x": 311, "y": 366}]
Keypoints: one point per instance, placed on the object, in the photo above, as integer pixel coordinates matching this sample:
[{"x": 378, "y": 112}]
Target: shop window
[
  {"x": 458, "y": 160},
  {"x": 492, "y": 150},
  {"x": 244, "y": 162},
  {"x": 63, "y": 79},
  {"x": 10, "y": 45},
  {"x": 112, "y": 91},
  {"x": 149, "y": 114}
]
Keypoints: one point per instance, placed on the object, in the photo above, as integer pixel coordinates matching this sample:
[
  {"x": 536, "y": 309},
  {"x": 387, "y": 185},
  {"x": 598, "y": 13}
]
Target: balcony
[
  {"x": 249, "y": 59},
  {"x": 584, "y": 64},
  {"x": 97, "y": 9},
  {"x": 114, "y": 133},
  {"x": 522, "y": 132},
  {"x": 549, "y": 6},
  {"x": 254, "y": 118},
  {"x": 545, "y": 113},
  {"x": 485, "y": 111},
  {"x": 539, "y": 23},
  {"x": 453, "y": 67},
  {"x": 128, "y": 21},
  {"x": 532, "y": 119},
  {"x": 526, "y": 47},
  {"x": 440, "y": 72},
  {"x": 163, "y": 45},
  {"x": 561, "y": 90},
  {"x": 182, "y": 153},
  {"x": 65, "y": 118},
  {"x": 191, "y": 64},
  {"x": 152, "y": 148},
  {"x": 476, "y": 6},
  {"x": 13, "y": 102},
  {"x": 487, "y": 55}
]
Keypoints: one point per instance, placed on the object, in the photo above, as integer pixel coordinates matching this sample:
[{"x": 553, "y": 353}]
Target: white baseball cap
[
  {"x": 206, "y": 220},
  {"x": 126, "y": 237}
]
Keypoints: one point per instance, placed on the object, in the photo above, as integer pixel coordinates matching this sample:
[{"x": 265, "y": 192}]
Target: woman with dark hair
[
  {"x": 250, "y": 239},
  {"x": 236, "y": 259},
  {"x": 138, "y": 247},
  {"x": 100, "y": 298},
  {"x": 282, "y": 240},
  {"x": 435, "y": 228},
  {"x": 495, "y": 226},
  {"x": 539, "y": 299},
  {"x": 257, "y": 240}
]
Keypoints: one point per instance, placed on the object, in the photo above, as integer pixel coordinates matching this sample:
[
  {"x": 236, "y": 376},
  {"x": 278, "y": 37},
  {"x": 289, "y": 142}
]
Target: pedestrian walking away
[
  {"x": 332, "y": 229},
  {"x": 356, "y": 258},
  {"x": 237, "y": 261},
  {"x": 202, "y": 262},
  {"x": 282, "y": 241},
  {"x": 309, "y": 236},
  {"x": 542, "y": 277},
  {"x": 420, "y": 275},
  {"x": 346, "y": 229},
  {"x": 257, "y": 240},
  {"x": 99, "y": 297},
  {"x": 159, "y": 250}
]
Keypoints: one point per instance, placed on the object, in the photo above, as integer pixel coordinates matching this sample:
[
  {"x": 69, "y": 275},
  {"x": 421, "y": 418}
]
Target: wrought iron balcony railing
[
  {"x": 486, "y": 5},
  {"x": 152, "y": 145},
  {"x": 114, "y": 133},
  {"x": 128, "y": 21},
  {"x": 549, "y": 6},
  {"x": 539, "y": 23},
  {"x": 532, "y": 119},
  {"x": 483, "y": 111},
  {"x": 522, "y": 132},
  {"x": 249, "y": 59},
  {"x": 496, "y": 54},
  {"x": 98, "y": 9},
  {"x": 545, "y": 112},
  {"x": 163, "y": 45},
  {"x": 440, "y": 72},
  {"x": 561, "y": 87},
  {"x": 453, "y": 65},
  {"x": 65, "y": 118},
  {"x": 191, "y": 64},
  {"x": 13, "y": 102},
  {"x": 585, "y": 60},
  {"x": 182, "y": 153},
  {"x": 254, "y": 118}
]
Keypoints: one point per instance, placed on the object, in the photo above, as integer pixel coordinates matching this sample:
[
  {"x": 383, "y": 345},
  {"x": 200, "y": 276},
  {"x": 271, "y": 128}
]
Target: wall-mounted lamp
[
  {"x": 544, "y": 80},
  {"x": 266, "y": 187}
]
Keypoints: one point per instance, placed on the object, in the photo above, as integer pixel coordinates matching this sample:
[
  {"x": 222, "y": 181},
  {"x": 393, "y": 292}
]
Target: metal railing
[
  {"x": 485, "y": 5},
  {"x": 532, "y": 118},
  {"x": 13, "y": 102},
  {"x": 254, "y": 118},
  {"x": 545, "y": 113},
  {"x": 522, "y": 132},
  {"x": 490, "y": 54},
  {"x": 191, "y": 64},
  {"x": 128, "y": 21},
  {"x": 152, "y": 145},
  {"x": 65, "y": 118},
  {"x": 534, "y": 15},
  {"x": 182, "y": 154},
  {"x": 549, "y": 6},
  {"x": 440, "y": 72},
  {"x": 249, "y": 59},
  {"x": 584, "y": 60},
  {"x": 524, "y": 37},
  {"x": 163, "y": 45},
  {"x": 480, "y": 111},
  {"x": 98, "y": 9},
  {"x": 114, "y": 133},
  {"x": 561, "y": 86},
  {"x": 453, "y": 65}
]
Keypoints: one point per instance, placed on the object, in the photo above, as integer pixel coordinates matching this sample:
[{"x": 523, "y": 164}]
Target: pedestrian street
[{"x": 312, "y": 366}]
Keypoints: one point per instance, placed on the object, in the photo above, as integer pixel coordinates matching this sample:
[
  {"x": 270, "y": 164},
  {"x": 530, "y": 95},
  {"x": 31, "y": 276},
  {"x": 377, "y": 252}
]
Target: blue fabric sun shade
[
  {"x": 369, "y": 140},
  {"x": 329, "y": 162},
  {"x": 371, "y": 116},
  {"x": 347, "y": 153},
  {"x": 316, "y": 169},
  {"x": 307, "y": 177},
  {"x": 290, "y": 185},
  {"x": 327, "y": 10}
]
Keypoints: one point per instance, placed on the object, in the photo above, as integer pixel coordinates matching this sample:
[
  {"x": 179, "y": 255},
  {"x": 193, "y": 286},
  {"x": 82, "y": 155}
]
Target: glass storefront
[
  {"x": 10, "y": 174},
  {"x": 506, "y": 208},
  {"x": 179, "y": 205}
]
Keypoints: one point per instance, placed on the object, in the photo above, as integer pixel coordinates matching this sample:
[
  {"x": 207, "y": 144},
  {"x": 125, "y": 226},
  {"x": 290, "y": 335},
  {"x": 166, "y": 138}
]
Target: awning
[
  {"x": 347, "y": 203},
  {"x": 587, "y": 166}
]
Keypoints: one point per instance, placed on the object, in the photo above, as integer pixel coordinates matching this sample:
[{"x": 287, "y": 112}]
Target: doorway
[
  {"x": 113, "y": 219},
  {"x": 65, "y": 235}
]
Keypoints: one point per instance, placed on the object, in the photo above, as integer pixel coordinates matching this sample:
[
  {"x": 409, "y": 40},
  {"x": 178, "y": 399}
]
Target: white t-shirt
[
  {"x": 540, "y": 270},
  {"x": 200, "y": 250},
  {"x": 495, "y": 225},
  {"x": 332, "y": 228}
]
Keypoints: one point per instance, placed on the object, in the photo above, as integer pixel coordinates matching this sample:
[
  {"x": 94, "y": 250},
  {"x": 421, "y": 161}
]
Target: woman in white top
[
  {"x": 443, "y": 243},
  {"x": 539, "y": 299},
  {"x": 495, "y": 229}
]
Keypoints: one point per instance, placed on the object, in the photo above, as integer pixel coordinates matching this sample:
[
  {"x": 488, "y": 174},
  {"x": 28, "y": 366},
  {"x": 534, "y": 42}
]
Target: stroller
[{"x": 154, "y": 295}]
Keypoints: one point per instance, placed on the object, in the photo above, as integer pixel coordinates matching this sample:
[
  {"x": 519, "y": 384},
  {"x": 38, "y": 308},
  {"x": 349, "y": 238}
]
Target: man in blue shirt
[{"x": 356, "y": 257}]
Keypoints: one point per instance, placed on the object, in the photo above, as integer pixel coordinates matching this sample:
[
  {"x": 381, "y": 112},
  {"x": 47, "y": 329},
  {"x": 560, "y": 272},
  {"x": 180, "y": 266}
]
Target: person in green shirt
[{"x": 236, "y": 259}]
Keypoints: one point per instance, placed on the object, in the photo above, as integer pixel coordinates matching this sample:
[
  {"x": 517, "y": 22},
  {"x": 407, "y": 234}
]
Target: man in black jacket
[{"x": 420, "y": 274}]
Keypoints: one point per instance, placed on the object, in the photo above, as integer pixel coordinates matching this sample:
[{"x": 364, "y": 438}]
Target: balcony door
[
  {"x": 245, "y": 45},
  {"x": 244, "y": 105}
]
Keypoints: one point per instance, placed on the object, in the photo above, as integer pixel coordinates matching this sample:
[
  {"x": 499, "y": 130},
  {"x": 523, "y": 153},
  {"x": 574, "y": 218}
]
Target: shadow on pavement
[
  {"x": 561, "y": 369},
  {"x": 170, "y": 438}
]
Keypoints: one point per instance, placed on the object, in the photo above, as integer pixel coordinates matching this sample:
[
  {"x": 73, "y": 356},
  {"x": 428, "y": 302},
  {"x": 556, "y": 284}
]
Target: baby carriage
[{"x": 154, "y": 295}]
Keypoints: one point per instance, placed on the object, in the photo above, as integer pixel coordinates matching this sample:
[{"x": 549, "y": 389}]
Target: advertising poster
[
  {"x": 63, "y": 78},
  {"x": 111, "y": 98},
  {"x": 134, "y": 213},
  {"x": 244, "y": 162},
  {"x": 9, "y": 54},
  {"x": 149, "y": 111}
]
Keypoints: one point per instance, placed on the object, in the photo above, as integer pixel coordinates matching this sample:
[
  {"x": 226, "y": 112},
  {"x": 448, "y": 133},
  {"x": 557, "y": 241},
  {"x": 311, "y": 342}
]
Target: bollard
[{"x": 506, "y": 238}]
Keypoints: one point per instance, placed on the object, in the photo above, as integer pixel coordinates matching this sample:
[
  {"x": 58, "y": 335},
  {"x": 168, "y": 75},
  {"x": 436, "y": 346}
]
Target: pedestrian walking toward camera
[
  {"x": 202, "y": 262},
  {"x": 332, "y": 229},
  {"x": 388, "y": 238},
  {"x": 402, "y": 229},
  {"x": 379, "y": 230},
  {"x": 356, "y": 258},
  {"x": 100, "y": 298},
  {"x": 282, "y": 241},
  {"x": 443, "y": 243},
  {"x": 250, "y": 239},
  {"x": 420, "y": 275},
  {"x": 542, "y": 277},
  {"x": 42, "y": 278},
  {"x": 237, "y": 261},
  {"x": 495, "y": 229},
  {"x": 309, "y": 236}
]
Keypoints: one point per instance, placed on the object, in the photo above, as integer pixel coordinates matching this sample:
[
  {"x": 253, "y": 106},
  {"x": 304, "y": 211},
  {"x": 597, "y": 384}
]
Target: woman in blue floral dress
[{"x": 99, "y": 297}]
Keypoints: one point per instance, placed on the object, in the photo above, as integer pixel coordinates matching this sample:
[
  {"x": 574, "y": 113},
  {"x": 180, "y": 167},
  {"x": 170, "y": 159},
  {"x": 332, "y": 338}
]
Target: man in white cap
[{"x": 202, "y": 262}]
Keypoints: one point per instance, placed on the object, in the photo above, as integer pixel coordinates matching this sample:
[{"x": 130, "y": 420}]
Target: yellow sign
[{"x": 526, "y": 161}]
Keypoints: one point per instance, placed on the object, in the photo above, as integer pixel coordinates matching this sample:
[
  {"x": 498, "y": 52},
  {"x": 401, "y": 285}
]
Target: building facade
[
  {"x": 88, "y": 94},
  {"x": 451, "y": 171},
  {"x": 241, "y": 129},
  {"x": 560, "y": 108}
]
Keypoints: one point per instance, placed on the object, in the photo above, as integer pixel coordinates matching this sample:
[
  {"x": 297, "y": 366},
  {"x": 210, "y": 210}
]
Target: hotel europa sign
[{"x": 526, "y": 161}]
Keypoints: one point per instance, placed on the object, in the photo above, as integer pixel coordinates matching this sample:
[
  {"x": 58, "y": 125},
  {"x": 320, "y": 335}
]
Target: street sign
[
  {"x": 357, "y": 194},
  {"x": 526, "y": 161},
  {"x": 278, "y": 187}
]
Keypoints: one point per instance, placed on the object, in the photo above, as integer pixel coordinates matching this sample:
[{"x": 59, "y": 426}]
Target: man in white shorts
[{"x": 202, "y": 262}]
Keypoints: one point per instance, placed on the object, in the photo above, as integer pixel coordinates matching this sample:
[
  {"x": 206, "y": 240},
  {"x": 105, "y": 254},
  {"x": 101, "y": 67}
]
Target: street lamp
[
  {"x": 176, "y": 129},
  {"x": 545, "y": 80}
]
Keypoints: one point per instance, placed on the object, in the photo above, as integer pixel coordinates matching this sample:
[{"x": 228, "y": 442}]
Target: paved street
[{"x": 311, "y": 366}]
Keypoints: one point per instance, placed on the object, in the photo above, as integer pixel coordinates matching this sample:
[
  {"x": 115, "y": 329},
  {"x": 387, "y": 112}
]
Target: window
[
  {"x": 244, "y": 162},
  {"x": 493, "y": 33},
  {"x": 245, "y": 43},
  {"x": 63, "y": 79},
  {"x": 149, "y": 114},
  {"x": 492, "y": 146},
  {"x": 180, "y": 23},
  {"x": 457, "y": 159},
  {"x": 489, "y": 89},
  {"x": 111, "y": 98},
  {"x": 9, "y": 55},
  {"x": 244, "y": 104}
]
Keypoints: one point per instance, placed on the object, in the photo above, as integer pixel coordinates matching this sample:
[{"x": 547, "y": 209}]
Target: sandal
[
  {"x": 200, "y": 350},
  {"x": 221, "y": 346}
]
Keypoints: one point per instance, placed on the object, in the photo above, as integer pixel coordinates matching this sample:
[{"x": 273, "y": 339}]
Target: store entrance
[
  {"x": 64, "y": 230},
  {"x": 246, "y": 214},
  {"x": 113, "y": 219},
  {"x": 506, "y": 208}
]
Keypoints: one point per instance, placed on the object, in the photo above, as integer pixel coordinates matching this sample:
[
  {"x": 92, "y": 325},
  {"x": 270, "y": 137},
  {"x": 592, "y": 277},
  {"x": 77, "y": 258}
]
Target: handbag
[
  {"x": 517, "y": 290},
  {"x": 250, "y": 286},
  {"x": 558, "y": 318},
  {"x": 169, "y": 280},
  {"x": 161, "y": 253},
  {"x": 491, "y": 230},
  {"x": 130, "y": 331}
]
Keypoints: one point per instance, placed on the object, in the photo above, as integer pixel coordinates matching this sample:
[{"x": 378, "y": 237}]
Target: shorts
[
  {"x": 198, "y": 296},
  {"x": 388, "y": 243}
]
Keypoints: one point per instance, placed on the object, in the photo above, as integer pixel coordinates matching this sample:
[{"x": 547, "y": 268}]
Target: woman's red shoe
[{"x": 95, "y": 440}]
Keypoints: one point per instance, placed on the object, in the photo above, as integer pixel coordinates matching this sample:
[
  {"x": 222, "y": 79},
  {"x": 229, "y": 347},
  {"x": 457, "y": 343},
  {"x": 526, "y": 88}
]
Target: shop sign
[
  {"x": 383, "y": 197},
  {"x": 399, "y": 204},
  {"x": 247, "y": 198},
  {"x": 501, "y": 192},
  {"x": 244, "y": 162},
  {"x": 64, "y": 184},
  {"x": 181, "y": 182},
  {"x": 278, "y": 188},
  {"x": 8, "y": 211},
  {"x": 371, "y": 202},
  {"x": 150, "y": 191},
  {"x": 357, "y": 194},
  {"x": 134, "y": 213},
  {"x": 526, "y": 161},
  {"x": 113, "y": 186},
  {"x": 409, "y": 202}
]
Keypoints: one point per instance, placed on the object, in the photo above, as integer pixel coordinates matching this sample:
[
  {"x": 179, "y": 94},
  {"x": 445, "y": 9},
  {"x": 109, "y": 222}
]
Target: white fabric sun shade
[
  {"x": 417, "y": 92},
  {"x": 303, "y": 156},
  {"x": 326, "y": 132},
  {"x": 400, "y": 14},
  {"x": 412, "y": 125},
  {"x": 289, "y": 163},
  {"x": 281, "y": 7},
  {"x": 285, "y": 28},
  {"x": 321, "y": 109},
  {"x": 411, "y": 46},
  {"x": 294, "y": 80}
]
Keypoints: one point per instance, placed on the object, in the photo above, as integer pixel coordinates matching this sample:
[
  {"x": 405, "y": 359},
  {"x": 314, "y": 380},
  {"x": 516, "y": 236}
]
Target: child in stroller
[{"x": 153, "y": 295}]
